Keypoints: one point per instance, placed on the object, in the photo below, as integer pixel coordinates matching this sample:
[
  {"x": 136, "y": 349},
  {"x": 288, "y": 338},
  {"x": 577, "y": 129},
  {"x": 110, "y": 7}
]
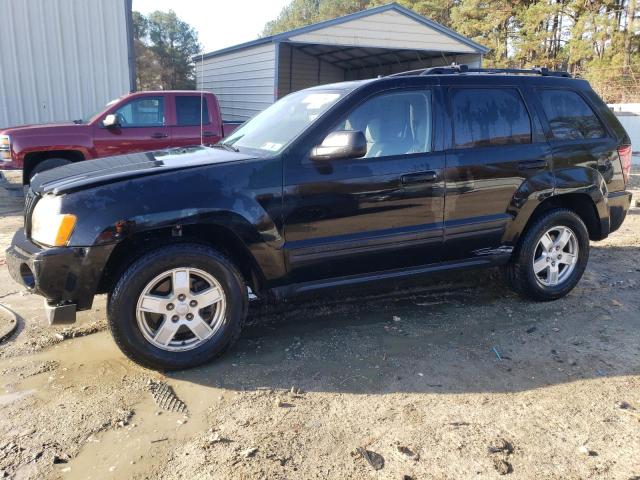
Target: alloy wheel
[
  {"x": 180, "y": 309},
  {"x": 555, "y": 256}
]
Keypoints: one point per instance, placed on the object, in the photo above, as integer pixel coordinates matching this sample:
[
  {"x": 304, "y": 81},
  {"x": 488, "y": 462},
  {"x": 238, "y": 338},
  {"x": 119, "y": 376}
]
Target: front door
[
  {"x": 379, "y": 212},
  {"x": 142, "y": 128},
  {"x": 498, "y": 149}
]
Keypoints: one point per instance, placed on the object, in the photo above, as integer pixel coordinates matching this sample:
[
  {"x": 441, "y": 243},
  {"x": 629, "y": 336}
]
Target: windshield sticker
[
  {"x": 272, "y": 146},
  {"x": 318, "y": 100}
]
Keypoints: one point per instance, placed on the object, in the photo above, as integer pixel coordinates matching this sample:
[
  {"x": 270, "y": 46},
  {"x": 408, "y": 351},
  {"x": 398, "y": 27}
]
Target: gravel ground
[{"x": 450, "y": 377}]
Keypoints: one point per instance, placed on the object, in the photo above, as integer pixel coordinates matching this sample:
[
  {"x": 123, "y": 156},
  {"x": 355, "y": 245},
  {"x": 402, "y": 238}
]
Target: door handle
[
  {"x": 159, "y": 135},
  {"x": 422, "y": 177},
  {"x": 208, "y": 134},
  {"x": 533, "y": 164}
]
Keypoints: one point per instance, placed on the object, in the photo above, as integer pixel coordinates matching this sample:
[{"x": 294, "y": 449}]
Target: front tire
[
  {"x": 177, "y": 307},
  {"x": 48, "y": 165},
  {"x": 551, "y": 256}
]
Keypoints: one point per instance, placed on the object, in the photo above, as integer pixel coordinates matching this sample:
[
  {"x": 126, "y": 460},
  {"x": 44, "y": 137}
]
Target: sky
[{"x": 219, "y": 23}]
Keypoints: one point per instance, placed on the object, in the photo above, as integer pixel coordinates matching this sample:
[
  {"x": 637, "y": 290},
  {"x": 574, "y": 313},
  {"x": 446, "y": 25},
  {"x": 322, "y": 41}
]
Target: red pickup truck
[{"x": 135, "y": 122}]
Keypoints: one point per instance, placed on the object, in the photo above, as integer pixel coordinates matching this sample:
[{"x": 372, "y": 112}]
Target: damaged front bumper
[{"x": 67, "y": 277}]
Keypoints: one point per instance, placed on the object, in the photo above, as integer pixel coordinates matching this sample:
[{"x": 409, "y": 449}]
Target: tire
[
  {"x": 520, "y": 272},
  {"x": 48, "y": 165},
  {"x": 133, "y": 329}
]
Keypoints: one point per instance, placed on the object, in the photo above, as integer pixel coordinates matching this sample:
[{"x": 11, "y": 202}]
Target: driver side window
[
  {"x": 395, "y": 123},
  {"x": 142, "y": 112}
]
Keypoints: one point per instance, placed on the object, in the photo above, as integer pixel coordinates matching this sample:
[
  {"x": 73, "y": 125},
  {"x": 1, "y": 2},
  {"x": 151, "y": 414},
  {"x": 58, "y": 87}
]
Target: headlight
[
  {"x": 48, "y": 225},
  {"x": 5, "y": 148}
]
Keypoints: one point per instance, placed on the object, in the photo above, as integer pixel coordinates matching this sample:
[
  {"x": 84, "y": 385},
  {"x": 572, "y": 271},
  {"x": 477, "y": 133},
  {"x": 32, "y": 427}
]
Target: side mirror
[
  {"x": 111, "y": 121},
  {"x": 341, "y": 145}
]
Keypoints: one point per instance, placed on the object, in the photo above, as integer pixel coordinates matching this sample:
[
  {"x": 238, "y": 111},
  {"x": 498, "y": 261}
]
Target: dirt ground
[{"x": 451, "y": 377}]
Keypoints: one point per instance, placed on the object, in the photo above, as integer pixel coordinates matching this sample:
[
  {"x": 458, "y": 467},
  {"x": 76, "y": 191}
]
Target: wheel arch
[
  {"x": 580, "y": 202},
  {"x": 219, "y": 237},
  {"x": 32, "y": 159}
]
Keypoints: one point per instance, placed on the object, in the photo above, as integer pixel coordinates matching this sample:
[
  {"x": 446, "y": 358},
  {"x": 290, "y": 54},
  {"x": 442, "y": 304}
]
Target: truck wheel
[
  {"x": 177, "y": 307},
  {"x": 551, "y": 256},
  {"x": 48, "y": 165}
]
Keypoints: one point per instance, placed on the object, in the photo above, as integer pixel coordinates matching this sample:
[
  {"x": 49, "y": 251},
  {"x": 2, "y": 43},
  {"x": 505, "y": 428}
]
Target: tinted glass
[
  {"x": 487, "y": 117},
  {"x": 142, "y": 112},
  {"x": 394, "y": 124},
  {"x": 569, "y": 116},
  {"x": 188, "y": 110}
]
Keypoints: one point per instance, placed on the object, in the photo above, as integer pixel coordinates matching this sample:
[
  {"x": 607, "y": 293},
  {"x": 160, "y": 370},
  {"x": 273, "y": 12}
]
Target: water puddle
[{"x": 8, "y": 398}]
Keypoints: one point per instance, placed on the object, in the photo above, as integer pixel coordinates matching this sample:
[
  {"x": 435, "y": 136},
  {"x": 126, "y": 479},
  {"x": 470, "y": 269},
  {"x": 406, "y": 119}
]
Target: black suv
[{"x": 336, "y": 185}]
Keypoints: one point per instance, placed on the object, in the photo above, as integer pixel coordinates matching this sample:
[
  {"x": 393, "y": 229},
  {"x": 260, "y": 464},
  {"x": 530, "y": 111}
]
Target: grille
[{"x": 29, "y": 203}]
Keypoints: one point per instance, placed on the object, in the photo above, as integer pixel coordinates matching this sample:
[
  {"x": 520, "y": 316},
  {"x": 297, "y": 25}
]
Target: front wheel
[
  {"x": 551, "y": 256},
  {"x": 177, "y": 307},
  {"x": 48, "y": 165}
]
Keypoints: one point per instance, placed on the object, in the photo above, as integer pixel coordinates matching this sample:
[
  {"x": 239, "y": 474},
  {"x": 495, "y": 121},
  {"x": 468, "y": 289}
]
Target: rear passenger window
[
  {"x": 393, "y": 123},
  {"x": 188, "y": 110},
  {"x": 487, "y": 117},
  {"x": 570, "y": 118}
]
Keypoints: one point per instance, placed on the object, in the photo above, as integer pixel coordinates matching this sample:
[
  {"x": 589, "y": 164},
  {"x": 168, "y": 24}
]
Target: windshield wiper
[{"x": 226, "y": 146}]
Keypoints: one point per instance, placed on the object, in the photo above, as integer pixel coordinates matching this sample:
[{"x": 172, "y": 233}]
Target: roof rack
[{"x": 454, "y": 68}]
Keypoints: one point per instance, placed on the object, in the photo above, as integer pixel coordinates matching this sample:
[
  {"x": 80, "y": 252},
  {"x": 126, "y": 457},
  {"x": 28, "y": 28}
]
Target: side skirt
[{"x": 491, "y": 260}]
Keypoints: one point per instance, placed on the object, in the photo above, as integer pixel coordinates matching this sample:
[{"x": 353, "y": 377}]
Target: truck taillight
[
  {"x": 5, "y": 148},
  {"x": 625, "y": 159}
]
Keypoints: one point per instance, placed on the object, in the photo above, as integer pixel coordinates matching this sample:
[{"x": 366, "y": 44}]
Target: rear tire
[
  {"x": 551, "y": 256},
  {"x": 168, "y": 281},
  {"x": 48, "y": 165}
]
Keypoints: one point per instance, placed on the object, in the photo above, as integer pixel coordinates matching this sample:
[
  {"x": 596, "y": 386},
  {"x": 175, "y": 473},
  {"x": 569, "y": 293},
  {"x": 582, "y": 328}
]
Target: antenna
[{"x": 201, "y": 97}]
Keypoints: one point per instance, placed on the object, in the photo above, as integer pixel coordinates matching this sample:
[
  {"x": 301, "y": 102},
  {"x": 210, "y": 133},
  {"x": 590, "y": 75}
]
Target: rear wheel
[
  {"x": 48, "y": 165},
  {"x": 178, "y": 307},
  {"x": 551, "y": 256}
]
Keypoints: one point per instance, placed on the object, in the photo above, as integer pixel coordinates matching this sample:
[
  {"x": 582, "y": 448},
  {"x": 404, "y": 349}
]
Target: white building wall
[
  {"x": 61, "y": 60},
  {"x": 243, "y": 80}
]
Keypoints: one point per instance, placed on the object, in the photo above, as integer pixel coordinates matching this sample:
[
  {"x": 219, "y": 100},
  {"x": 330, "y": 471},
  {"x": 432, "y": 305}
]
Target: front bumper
[
  {"x": 67, "y": 277},
  {"x": 619, "y": 203}
]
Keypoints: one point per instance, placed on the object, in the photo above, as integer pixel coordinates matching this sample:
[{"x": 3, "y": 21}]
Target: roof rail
[{"x": 454, "y": 68}]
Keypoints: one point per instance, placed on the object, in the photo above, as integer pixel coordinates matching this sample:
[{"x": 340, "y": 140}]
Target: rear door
[
  {"x": 143, "y": 127},
  {"x": 497, "y": 148},
  {"x": 376, "y": 213},
  {"x": 195, "y": 121}
]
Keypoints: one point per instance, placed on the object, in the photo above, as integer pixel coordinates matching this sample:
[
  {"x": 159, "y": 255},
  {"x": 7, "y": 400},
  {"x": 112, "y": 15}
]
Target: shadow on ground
[{"x": 452, "y": 333}]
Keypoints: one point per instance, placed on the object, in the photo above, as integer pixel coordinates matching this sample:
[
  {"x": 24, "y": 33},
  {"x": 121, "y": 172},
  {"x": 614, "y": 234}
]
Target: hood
[
  {"x": 40, "y": 128},
  {"x": 111, "y": 169}
]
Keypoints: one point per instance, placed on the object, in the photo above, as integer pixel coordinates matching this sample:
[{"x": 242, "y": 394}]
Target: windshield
[
  {"x": 94, "y": 114},
  {"x": 272, "y": 129}
]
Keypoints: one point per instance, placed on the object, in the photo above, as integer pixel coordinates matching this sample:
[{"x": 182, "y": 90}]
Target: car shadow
[{"x": 452, "y": 333}]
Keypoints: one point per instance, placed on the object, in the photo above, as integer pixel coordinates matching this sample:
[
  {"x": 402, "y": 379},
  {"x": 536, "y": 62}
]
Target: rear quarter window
[
  {"x": 569, "y": 116},
  {"x": 485, "y": 117}
]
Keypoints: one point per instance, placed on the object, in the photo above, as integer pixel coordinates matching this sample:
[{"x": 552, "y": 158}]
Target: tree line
[
  {"x": 595, "y": 39},
  {"x": 164, "y": 46}
]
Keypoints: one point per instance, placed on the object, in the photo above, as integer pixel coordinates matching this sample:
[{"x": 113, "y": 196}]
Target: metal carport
[{"x": 379, "y": 41}]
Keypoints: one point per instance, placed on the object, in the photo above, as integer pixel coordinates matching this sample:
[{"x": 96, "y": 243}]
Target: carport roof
[{"x": 286, "y": 36}]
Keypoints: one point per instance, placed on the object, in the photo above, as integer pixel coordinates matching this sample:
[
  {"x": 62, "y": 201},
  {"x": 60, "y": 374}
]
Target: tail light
[
  {"x": 5, "y": 148},
  {"x": 625, "y": 159}
]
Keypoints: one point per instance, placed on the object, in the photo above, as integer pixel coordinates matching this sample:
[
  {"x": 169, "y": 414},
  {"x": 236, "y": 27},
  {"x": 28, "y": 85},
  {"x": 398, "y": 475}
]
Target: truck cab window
[
  {"x": 142, "y": 112},
  {"x": 188, "y": 109}
]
